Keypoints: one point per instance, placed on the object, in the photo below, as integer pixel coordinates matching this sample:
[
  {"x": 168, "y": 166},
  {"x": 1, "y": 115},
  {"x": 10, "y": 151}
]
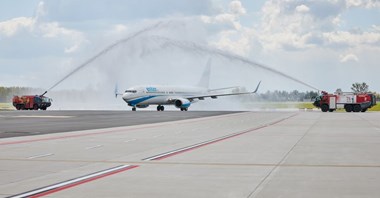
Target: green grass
[
  {"x": 375, "y": 108},
  {"x": 6, "y": 106},
  {"x": 304, "y": 105}
]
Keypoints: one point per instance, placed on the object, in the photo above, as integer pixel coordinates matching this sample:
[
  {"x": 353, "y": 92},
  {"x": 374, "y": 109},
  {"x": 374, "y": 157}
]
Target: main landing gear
[
  {"x": 183, "y": 109},
  {"x": 133, "y": 108},
  {"x": 160, "y": 108}
]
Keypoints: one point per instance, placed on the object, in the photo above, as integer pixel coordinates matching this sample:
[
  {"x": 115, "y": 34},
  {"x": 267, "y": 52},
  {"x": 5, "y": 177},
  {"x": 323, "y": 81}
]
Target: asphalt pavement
[{"x": 23, "y": 123}]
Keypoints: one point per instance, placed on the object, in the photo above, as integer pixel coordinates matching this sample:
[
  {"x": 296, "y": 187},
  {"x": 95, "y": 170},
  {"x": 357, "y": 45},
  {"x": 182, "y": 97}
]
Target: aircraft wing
[{"x": 201, "y": 97}]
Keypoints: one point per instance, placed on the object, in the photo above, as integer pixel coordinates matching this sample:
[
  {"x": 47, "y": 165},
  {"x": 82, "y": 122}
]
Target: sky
[{"x": 327, "y": 44}]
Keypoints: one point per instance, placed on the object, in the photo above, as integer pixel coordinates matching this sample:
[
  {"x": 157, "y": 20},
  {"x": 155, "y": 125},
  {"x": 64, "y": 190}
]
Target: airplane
[{"x": 181, "y": 97}]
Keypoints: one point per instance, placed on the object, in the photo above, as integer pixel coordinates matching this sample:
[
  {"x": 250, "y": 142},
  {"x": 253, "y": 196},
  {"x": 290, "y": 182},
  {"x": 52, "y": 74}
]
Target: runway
[
  {"x": 23, "y": 123},
  {"x": 244, "y": 154}
]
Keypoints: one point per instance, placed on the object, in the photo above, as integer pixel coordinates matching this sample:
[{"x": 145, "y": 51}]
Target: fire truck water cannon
[
  {"x": 30, "y": 102},
  {"x": 351, "y": 102}
]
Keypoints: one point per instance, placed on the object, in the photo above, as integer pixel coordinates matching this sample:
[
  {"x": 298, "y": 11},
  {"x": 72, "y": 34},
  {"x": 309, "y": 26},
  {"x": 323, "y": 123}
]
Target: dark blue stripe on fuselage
[{"x": 139, "y": 100}]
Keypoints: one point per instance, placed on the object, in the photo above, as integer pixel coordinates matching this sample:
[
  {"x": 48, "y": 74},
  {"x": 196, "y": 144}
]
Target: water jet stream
[
  {"x": 104, "y": 51},
  {"x": 193, "y": 47}
]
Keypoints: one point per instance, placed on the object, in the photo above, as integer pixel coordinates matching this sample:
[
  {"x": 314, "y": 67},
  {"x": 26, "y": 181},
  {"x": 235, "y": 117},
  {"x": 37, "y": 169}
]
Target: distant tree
[
  {"x": 359, "y": 87},
  {"x": 310, "y": 95}
]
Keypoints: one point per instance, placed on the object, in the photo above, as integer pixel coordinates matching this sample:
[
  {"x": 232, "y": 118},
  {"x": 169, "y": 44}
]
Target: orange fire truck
[{"x": 29, "y": 102}]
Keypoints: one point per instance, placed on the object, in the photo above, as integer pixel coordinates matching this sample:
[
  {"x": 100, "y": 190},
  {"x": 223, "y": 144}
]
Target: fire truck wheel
[
  {"x": 35, "y": 107},
  {"x": 357, "y": 108},
  {"x": 18, "y": 107},
  {"x": 348, "y": 108},
  {"x": 325, "y": 107}
]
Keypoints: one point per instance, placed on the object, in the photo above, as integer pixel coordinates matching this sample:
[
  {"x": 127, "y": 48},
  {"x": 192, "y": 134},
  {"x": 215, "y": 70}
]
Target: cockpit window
[
  {"x": 45, "y": 99},
  {"x": 130, "y": 91}
]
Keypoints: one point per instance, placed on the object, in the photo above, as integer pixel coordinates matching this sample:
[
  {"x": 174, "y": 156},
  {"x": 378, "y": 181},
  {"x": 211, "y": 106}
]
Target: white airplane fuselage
[{"x": 143, "y": 96}]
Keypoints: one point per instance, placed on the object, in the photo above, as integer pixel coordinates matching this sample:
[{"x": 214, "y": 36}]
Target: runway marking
[
  {"x": 39, "y": 156},
  {"x": 213, "y": 141},
  {"x": 203, "y": 163},
  {"x": 126, "y": 141},
  {"x": 73, "y": 182},
  {"x": 121, "y": 130},
  {"x": 93, "y": 147}
]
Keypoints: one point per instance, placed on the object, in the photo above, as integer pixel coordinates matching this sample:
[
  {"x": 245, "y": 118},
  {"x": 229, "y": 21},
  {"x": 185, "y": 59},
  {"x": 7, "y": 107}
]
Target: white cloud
[
  {"x": 72, "y": 49},
  {"x": 41, "y": 10},
  {"x": 369, "y": 4},
  {"x": 231, "y": 17},
  {"x": 346, "y": 38},
  {"x": 237, "y": 8},
  {"x": 302, "y": 8},
  {"x": 119, "y": 28},
  {"x": 232, "y": 36},
  {"x": 283, "y": 29},
  {"x": 376, "y": 28},
  {"x": 237, "y": 42},
  {"x": 11, "y": 27},
  {"x": 348, "y": 58},
  {"x": 23, "y": 27}
]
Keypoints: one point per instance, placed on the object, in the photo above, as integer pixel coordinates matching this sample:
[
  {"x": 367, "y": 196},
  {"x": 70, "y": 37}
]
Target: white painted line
[
  {"x": 130, "y": 140},
  {"x": 39, "y": 156},
  {"x": 69, "y": 182},
  {"x": 92, "y": 147}
]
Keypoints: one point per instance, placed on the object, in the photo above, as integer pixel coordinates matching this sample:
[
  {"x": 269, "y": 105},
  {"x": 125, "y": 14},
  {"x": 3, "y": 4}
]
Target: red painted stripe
[
  {"x": 81, "y": 182},
  {"x": 222, "y": 139},
  {"x": 206, "y": 144}
]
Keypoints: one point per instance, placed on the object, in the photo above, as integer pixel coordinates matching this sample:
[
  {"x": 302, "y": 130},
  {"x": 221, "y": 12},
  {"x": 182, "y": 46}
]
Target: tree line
[{"x": 7, "y": 93}]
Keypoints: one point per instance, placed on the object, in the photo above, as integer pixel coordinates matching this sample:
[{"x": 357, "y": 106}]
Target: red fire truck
[
  {"x": 351, "y": 102},
  {"x": 28, "y": 102}
]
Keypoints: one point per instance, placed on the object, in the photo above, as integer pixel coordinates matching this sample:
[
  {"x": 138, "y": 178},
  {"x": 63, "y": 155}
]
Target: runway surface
[
  {"x": 247, "y": 154},
  {"x": 22, "y": 123}
]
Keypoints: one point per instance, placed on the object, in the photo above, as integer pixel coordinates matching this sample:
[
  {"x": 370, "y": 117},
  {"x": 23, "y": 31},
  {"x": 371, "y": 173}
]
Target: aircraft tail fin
[{"x": 205, "y": 78}]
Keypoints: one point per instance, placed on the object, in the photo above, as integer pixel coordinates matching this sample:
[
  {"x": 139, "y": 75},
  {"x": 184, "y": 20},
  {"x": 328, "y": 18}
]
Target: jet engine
[{"x": 182, "y": 103}]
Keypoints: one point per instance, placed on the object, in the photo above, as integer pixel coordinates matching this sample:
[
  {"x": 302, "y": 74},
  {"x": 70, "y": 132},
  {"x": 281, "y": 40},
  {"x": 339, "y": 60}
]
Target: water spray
[
  {"x": 184, "y": 45},
  {"x": 107, "y": 49},
  {"x": 193, "y": 47}
]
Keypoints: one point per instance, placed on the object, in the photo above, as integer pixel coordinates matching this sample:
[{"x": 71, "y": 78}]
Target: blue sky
[{"x": 329, "y": 44}]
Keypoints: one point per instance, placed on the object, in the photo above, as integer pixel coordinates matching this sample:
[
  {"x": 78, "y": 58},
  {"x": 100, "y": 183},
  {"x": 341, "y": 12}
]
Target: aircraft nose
[{"x": 125, "y": 97}]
